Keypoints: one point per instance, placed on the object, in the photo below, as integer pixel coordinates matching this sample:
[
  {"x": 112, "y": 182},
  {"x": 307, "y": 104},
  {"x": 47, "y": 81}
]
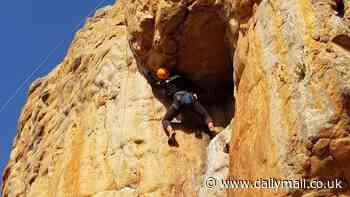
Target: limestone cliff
[
  {"x": 91, "y": 127},
  {"x": 292, "y": 66}
]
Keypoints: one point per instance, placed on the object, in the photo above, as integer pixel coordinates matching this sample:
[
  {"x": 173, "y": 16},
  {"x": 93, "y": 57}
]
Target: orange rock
[
  {"x": 287, "y": 62},
  {"x": 340, "y": 149}
]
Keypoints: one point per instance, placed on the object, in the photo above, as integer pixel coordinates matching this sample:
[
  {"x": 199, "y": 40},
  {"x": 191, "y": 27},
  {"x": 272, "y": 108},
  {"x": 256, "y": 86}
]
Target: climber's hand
[
  {"x": 211, "y": 126},
  {"x": 213, "y": 129}
]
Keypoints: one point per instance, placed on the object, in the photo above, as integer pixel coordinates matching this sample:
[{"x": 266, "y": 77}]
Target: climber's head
[{"x": 162, "y": 73}]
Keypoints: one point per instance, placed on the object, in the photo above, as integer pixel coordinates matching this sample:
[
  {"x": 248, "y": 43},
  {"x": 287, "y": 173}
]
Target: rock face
[
  {"x": 92, "y": 126},
  {"x": 292, "y": 103}
]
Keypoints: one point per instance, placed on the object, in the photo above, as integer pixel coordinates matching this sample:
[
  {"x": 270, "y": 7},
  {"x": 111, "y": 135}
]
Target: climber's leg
[
  {"x": 172, "y": 112},
  {"x": 200, "y": 110},
  {"x": 207, "y": 118}
]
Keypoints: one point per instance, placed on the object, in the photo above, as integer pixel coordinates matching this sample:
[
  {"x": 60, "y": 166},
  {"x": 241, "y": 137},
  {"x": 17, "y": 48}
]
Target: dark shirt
[{"x": 173, "y": 84}]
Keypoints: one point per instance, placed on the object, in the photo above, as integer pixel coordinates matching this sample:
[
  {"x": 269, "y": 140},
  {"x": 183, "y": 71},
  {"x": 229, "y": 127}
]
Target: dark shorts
[
  {"x": 184, "y": 99},
  {"x": 179, "y": 104}
]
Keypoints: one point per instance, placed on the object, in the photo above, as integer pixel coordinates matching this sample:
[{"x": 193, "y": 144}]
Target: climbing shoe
[{"x": 172, "y": 141}]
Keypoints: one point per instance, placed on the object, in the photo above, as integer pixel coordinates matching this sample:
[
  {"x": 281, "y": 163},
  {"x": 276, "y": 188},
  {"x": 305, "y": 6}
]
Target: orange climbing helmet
[{"x": 162, "y": 73}]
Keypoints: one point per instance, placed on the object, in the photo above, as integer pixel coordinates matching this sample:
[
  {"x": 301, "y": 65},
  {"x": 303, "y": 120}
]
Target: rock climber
[{"x": 180, "y": 90}]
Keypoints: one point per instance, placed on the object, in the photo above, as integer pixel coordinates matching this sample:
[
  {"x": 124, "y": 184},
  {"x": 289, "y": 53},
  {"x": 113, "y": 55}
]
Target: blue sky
[{"x": 29, "y": 31}]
